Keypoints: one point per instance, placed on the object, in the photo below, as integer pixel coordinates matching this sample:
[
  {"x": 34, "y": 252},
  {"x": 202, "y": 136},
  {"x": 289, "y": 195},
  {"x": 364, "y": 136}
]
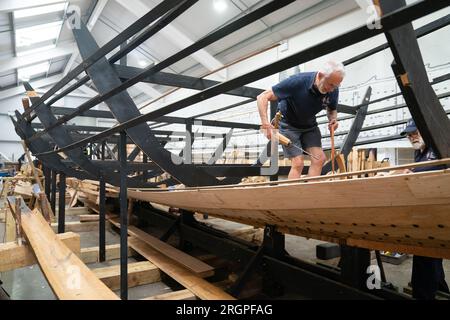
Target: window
[
  {"x": 27, "y": 73},
  {"x": 24, "y": 13},
  {"x": 38, "y": 34}
]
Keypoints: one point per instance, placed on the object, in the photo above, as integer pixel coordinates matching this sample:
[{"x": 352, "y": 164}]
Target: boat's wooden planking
[{"x": 411, "y": 210}]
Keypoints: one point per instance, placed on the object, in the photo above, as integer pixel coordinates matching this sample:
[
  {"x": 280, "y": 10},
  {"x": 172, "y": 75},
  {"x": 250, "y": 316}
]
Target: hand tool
[{"x": 285, "y": 141}]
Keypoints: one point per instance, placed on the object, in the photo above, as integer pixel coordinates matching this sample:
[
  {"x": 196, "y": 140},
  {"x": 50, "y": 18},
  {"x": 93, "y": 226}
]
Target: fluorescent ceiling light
[
  {"x": 143, "y": 63},
  {"x": 24, "y": 13},
  {"x": 36, "y": 50},
  {"x": 39, "y": 33},
  {"x": 220, "y": 5},
  {"x": 27, "y": 73}
]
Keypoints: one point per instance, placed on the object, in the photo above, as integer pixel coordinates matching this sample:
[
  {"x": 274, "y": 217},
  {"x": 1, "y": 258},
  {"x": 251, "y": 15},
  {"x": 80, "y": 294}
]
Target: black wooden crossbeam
[{"x": 140, "y": 24}]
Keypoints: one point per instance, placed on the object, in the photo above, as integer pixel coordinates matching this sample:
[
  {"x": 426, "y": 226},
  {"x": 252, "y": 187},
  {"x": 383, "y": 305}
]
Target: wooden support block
[
  {"x": 13, "y": 256},
  {"x": 10, "y": 229},
  {"x": 197, "y": 266},
  {"x": 139, "y": 273},
  {"x": 76, "y": 226},
  {"x": 76, "y": 211},
  {"x": 182, "y": 294},
  {"x": 90, "y": 255},
  {"x": 175, "y": 295},
  {"x": 198, "y": 286},
  {"x": 89, "y": 217},
  {"x": 18, "y": 217}
]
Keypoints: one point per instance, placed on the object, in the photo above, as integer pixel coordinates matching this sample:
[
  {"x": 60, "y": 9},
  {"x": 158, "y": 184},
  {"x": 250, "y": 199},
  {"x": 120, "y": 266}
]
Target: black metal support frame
[
  {"x": 62, "y": 203},
  {"x": 123, "y": 199},
  {"x": 102, "y": 221},
  {"x": 53, "y": 192},
  {"x": 310, "y": 280}
]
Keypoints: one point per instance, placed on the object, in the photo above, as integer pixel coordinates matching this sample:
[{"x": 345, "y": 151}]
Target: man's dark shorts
[{"x": 303, "y": 138}]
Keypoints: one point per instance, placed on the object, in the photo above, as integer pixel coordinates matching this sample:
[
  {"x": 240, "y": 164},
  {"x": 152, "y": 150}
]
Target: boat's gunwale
[{"x": 293, "y": 183}]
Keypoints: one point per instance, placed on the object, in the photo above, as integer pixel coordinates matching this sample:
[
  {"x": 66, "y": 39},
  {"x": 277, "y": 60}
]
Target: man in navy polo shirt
[
  {"x": 300, "y": 98},
  {"x": 427, "y": 273}
]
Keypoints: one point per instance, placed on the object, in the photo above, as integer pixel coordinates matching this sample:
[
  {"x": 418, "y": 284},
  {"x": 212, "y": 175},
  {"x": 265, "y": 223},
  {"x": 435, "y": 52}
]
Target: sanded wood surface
[
  {"x": 410, "y": 210},
  {"x": 139, "y": 273},
  {"x": 91, "y": 254},
  {"x": 198, "y": 286},
  {"x": 193, "y": 264},
  {"x": 67, "y": 275}
]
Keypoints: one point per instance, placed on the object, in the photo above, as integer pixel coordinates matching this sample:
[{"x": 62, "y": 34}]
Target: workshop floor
[{"x": 29, "y": 283}]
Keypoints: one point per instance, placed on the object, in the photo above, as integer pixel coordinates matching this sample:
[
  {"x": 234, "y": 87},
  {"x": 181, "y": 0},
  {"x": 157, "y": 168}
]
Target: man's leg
[
  {"x": 296, "y": 167},
  {"x": 316, "y": 164},
  {"x": 312, "y": 142}
]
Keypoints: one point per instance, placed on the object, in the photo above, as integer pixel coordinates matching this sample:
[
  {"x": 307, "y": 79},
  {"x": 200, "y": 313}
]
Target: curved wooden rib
[{"x": 410, "y": 210}]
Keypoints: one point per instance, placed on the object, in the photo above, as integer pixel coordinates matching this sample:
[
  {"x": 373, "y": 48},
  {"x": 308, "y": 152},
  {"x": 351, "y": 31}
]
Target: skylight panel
[
  {"x": 39, "y": 33},
  {"x": 35, "y": 50},
  {"x": 25, "y": 74},
  {"x": 25, "y": 13}
]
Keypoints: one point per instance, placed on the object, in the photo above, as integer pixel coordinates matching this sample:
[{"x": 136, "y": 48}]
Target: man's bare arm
[
  {"x": 263, "y": 104},
  {"x": 332, "y": 118}
]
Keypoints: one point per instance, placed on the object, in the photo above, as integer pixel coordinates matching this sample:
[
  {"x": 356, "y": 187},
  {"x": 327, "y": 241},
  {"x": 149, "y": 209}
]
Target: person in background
[{"x": 427, "y": 273}]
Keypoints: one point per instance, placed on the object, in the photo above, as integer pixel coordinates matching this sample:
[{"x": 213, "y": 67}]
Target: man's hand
[
  {"x": 333, "y": 124},
  {"x": 266, "y": 129}
]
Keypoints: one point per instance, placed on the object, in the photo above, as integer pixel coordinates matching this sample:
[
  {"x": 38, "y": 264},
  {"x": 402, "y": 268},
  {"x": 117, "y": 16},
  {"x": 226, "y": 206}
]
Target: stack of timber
[
  {"x": 358, "y": 160},
  {"x": 87, "y": 191},
  {"x": 404, "y": 213},
  {"x": 189, "y": 271}
]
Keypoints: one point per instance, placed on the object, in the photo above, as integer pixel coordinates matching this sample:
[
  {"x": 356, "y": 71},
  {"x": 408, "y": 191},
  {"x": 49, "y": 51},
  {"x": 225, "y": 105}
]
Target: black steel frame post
[
  {"x": 145, "y": 172},
  {"x": 47, "y": 181},
  {"x": 186, "y": 218},
  {"x": 272, "y": 245},
  {"x": 62, "y": 203},
  {"x": 354, "y": 263},
  {"x": 274, "y": 242},
  {"x": 123, "y": 217},
  {"x": 174, "y": 227},
  {"x": 102, "y": 221},
  {"x": 53, "y": 192}
]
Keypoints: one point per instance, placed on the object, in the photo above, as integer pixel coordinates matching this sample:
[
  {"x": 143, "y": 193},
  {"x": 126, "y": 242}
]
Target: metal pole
[
  {"x": 103, "y": 150},
  {"x": 102, "y": 212},
  {"x": 62, "y": 203},
  {"x": 48, "y": 180},
  {"x": 123, "y": 217},
  {"x": 53, "y": 194},
  {"x": 102, "y": 221},
  {"x": 144, "y": 160}
]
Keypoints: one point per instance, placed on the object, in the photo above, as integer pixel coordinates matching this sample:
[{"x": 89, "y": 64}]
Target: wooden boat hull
[{"x": 408, "y": 212}]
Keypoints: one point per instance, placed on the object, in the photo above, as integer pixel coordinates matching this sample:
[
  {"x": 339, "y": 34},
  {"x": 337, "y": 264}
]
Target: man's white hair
[{"x": 333, "y": 66}]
